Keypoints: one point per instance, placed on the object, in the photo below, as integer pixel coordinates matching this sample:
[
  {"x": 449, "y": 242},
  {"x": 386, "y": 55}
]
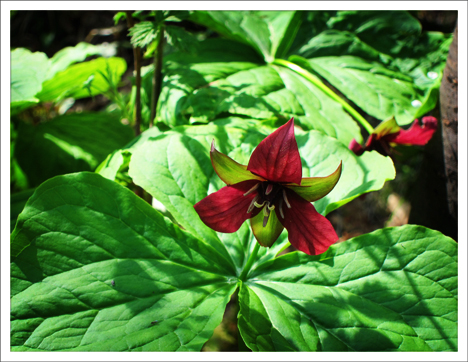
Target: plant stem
[
  {"x": 137, "y": 60},
  {"x": 157, "y": 78},
  {"x": 301, "y": 71},
  {"x": 250, "y": 261}
]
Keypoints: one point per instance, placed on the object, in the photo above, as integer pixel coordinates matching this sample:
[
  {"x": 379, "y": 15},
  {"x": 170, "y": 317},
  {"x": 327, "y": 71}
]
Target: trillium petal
[
  {"x": 356, "y": 147},
  {"x": 277, "y": 157},
  {"x": 267, "y": 235},
  {"x": 229, "y": 170},
  {"x": 226, "y": 209},
  {"x": 308, "y": 231},
  {"x": 416, "y": 135},
  {"x": 372, "y": 143},
  {"x": 314, "y": 188}
]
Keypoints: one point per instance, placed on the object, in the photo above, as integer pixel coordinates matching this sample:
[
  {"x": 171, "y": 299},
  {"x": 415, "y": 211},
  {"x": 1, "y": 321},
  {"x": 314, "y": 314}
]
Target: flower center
[{"x": 269, "y": 196}]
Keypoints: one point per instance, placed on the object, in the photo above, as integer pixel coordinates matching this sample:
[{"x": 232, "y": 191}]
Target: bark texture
[
  {"x": 434, "y": 194},
  {"x": 449, "y": 118}
]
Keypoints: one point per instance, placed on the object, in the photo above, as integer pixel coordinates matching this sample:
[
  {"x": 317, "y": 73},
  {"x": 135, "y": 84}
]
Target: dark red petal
[
  {"x": 356, "y": 147},
  {"x": 226, "y": 209},
  {"x": 277, "y": 157},
  {"x": 416, "y": 135},
  {"x": 308, "y": 231}
]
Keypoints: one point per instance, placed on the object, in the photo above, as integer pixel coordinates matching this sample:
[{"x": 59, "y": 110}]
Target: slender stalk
[
  {"x": 299, "y": 70},
  {"x": 250, "y": 261},
  {"x": 137, "y": 60},
  {"x": 157, "y": 78}
]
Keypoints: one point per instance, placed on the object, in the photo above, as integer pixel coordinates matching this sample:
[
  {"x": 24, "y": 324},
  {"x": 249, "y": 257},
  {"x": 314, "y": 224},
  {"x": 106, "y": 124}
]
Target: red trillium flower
[
  {"x": 389, "y": 133},
  {"x": 271, "y": 192}
]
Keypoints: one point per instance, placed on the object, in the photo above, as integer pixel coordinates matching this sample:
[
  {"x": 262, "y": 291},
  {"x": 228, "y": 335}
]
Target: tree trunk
[
  {"x": 449, "y": 118},
  {"x": 433, "y": 195}
]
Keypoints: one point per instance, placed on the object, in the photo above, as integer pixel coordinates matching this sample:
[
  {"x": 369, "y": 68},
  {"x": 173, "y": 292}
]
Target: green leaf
[
  {"x": 28, "y": 71},
  {"x": 376, "y": 90},
  {"x": 69, "y": 143},
  {"x": 144, "y": 33},
  {"x": 114, "y": 163},
  {"x": 387, "y": 41},
  {"x": 180, "y": 39},
  {"x": 392, "y": 290},
  {"x": 118, "y": 16},
  {"x": 333, "y": 42},
  {"x": 387, "y": 31},
  {"x": 82, "y": 80},
  {"x": 195, "y": 93},
  {"x": 17, "y": 202},
  {"x": 104, "y": 271},
  {"x": 270, "y": 33},
  {"x": 69, "y": 55}
]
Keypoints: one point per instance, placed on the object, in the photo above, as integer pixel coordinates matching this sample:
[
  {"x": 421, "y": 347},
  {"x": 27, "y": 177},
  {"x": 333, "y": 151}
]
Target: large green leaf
[
  {"x": 378, "y": 91},
  {"x": 380, "y": 60},
  {"x": 69, "y": 55},
  {"x": 82, "y": 80},
  {"x": 104, "y": 271},
  {"x": 204, "y": 88},
  {"x": 17, "y": 202},
  {"x": 100, "y": 270},
  {"x": 69, "y": 143},
  {"x": 270, "y": 33},
  {"x": 367, "y": 54},
  {"x": 387, "y": 31},
  {"x": 393, "y": 289},
  {"x": 28, "y": 71}
]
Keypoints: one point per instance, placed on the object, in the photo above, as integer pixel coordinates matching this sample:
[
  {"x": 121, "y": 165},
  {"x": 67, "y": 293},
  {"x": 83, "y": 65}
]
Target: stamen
[
  {"x": 271, "y": 207},
  {"x": 252, "y": 204},
  {"x": 280, "y": 207},
  {"x": 269, "y": 189},
  {"x": 286, "y": 199},
  {"x": 252, "y": 189},
  {"x": 259, "y": 205}
]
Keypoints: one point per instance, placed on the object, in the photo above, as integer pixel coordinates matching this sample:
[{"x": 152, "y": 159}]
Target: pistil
[{"x": 268, "y": 197}]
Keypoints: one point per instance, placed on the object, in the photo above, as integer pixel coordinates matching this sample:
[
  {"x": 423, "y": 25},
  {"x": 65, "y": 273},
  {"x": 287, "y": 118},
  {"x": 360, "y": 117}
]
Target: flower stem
[
  {"x": 157, "y": 77},
  {"x": 317, "y": 82},
  {"x": 137, "y": 61},
  {"x": 250, "y": 261}
]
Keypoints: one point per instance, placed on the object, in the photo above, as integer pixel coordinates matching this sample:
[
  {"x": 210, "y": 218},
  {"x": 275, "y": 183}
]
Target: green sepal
[
  {"x": 229, "y": 170},
  {"x": 388, "y": 126},
  {"x": 267, "y": 235},
  {"x": 314, "y": 188}
]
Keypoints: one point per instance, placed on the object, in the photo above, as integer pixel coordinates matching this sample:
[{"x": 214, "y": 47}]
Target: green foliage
[
  {"x": 96, "y": 268},
  {"x": 68, "y": 144},
  {"x": 81, "y": 80},
  {"x": 17, "y": 202},
  {"x": 35, "y": 78},
  {"x": 144, "y": 33},
  {"x": 111, "y": 274},
  {"x": 268, "y": 32},
  {"x": 349, "y": 49},
  {"x": 28, "y": 72},
  {"x": 393, "y": 289}
]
